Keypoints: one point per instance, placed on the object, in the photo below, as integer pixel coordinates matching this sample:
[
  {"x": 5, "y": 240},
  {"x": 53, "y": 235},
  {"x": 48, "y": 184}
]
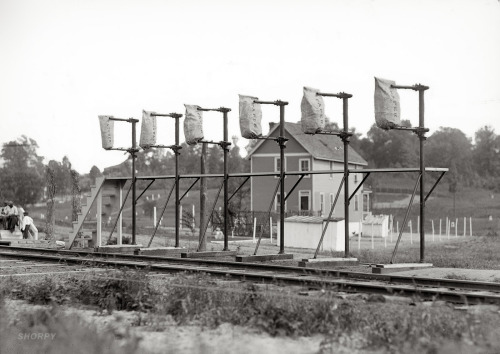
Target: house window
[
  {"x": 304, "y": 200},
  {"x": 277, "y": 165},
  {"x": 356, "y": 203},
  {"x": 304, "y": 165},
  {"x": 332, "y": 199},
  {"x": 356, "y": 174},
  {"x": 331, "y": 168},
  {"x": 322, "y": 203},
  {"x": 277, "y": 203}
]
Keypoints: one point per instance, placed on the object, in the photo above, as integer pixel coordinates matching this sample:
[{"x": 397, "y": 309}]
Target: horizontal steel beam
[{"x": 288, "y": 173}]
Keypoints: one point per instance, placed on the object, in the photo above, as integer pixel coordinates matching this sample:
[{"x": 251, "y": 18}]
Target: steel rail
[
  {"x": 316, "y": 280},
  {"x": 389, "y": 278}
]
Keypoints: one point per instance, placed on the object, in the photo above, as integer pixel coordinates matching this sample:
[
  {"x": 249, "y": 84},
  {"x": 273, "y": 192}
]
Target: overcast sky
[{"x": 62, "y": 63}]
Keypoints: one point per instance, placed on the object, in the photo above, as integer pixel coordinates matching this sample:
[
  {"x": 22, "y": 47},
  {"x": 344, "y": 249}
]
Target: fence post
[
  {"x": 456, "y": 227},
  {"x": 254, "y": 227},
  {"x": 372, "y": 236},
  {"x": 180, "y": 217},
  {"x": 470, "y": 226},
  {"x": 154, "y": 216},
  {"x": 271, "y": 229},
  {"x": 359, "y": 241},
  {"x": 465, "y": 226},
  {"x": 411, "y": 233},
  {"x": 432, "y": 222}
]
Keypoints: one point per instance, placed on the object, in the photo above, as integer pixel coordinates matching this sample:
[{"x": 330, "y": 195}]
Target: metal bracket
[
  {"x": 175, "y": 149},
  {"x": 345, "y": 136},
  {"x": 420, "y": 132},
  {"x": 281, "y": 140},
  {"x": 172, "y": 115},
  {"x": 224, "y": 145},
  {"x": 416, "y": 87},
  {"x": 276, "y": 103},
  {"x": 338, "y": 95},
  {"x": 220, "y": 109}
]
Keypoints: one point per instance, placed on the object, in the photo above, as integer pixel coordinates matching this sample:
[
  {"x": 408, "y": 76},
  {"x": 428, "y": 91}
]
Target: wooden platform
[
  {"x": 314, "y": 262},
  {"x": 28, "y": 243},
  {"x": 7, "y": 235},
  {"x": 161, "y": 251},
  {"x": 399, "y": 267},
  {"x": 208, "y": 254},
  {"x": 264, "y": 257},
  {"x": 125, "y": 249}
]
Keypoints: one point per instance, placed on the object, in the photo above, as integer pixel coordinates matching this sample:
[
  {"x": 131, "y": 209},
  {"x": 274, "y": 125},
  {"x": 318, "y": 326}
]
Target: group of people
[{"x": 12, "y": 216}]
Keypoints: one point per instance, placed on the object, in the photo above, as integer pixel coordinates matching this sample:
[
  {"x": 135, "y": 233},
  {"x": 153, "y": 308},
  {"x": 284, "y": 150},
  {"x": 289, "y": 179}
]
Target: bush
[
  {"x": 62, "y": 334},
  {"x": 118, "y": 290}
]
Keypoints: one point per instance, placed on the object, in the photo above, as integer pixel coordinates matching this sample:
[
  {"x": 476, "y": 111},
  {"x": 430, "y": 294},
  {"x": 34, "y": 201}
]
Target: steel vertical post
[
  {"x": 134, "y": 148},
  {"x": 421, "y": 137},
  {"x": 345, "y": 139},
  {"x": 282, "y": 179},
  {"x": 177, "y": 201},
  {"x": 226, "y": 195}
]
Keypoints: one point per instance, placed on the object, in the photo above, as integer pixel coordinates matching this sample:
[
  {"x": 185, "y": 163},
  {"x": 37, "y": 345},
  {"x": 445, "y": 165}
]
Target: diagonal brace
[
  {"x": 187, "y": 191},
  {"x": 329, "y": 217},
  {"x": 268, "y": 213},
  {"x": 360, "y": 184},
  {"x": 237, "y": 189},
  {"x": 211, "y": 213},
  {"x": 161, "y": 215},
  {"x": 405, "y": 219},
  {"x": 121, "y": 209},
  {"x": 434, "y": 186},
  {"x": 294, "y": 186},
  {"x": 144, "y": 191}
]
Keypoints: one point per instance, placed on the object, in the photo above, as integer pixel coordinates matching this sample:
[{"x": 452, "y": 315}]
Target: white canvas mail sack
[
  {"x": 193, "y": 124},
  {"x": 148, "y": 130},
  {"x": 313, "y": 111},
  {"x": 107, "y": 132},
  {"x": 387, "y": 108},
  {"x": 250, "y": 117}
]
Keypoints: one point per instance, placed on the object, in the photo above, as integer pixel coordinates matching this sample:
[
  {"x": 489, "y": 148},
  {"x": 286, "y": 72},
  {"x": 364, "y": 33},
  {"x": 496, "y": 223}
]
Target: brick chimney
[{"x": 271, "y": 125}]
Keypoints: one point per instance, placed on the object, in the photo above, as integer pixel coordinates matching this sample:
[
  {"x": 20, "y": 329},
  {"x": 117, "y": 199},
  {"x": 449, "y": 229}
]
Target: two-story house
[{"x": 315, "y": 193}]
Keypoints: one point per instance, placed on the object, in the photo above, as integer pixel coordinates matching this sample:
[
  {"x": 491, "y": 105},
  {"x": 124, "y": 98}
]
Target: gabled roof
[{"x": 322, "y": 147}]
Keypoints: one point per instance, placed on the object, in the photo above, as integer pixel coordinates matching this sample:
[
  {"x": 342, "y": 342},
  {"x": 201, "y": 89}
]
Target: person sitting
[
  {"x": 12, "y": 217},
  {"x": 28, "y": 227},
  {"x": 3, "y": 215}
]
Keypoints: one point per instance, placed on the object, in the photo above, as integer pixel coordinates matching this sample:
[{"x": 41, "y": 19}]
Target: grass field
[{"x": 129, "y": 312}]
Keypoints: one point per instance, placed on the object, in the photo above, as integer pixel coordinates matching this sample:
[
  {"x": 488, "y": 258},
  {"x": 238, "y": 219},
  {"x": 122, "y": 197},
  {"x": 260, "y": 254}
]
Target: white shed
[
  {"x": 376, "y": 225},
  {"x": 305, "y": 232}
]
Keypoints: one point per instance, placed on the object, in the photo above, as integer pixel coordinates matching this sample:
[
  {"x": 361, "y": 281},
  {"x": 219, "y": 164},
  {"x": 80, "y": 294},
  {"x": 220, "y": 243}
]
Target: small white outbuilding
[
  {"x": 376, "y": 225},
  {"x": 305, "y": 232}
]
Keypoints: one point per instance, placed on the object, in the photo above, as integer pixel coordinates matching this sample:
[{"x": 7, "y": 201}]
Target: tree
[
  {"x": 21, "y": 154},
  {"x": 21, "y": 177},
  {"x": 238, "y": 164},
  {"x": 94, "y": 173},
  {"x": 62, "y": 175},
  {"x": 214, "y": 159},
  {"x": 50, "y": 220},
  {"x": 391, "y": 148},
  {"x": 486, "y": 153},
  {"x": 450, "y": 147}
]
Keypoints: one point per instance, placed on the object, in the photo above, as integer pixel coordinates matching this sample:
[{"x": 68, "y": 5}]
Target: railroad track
[{"x": 452, "y": 290}]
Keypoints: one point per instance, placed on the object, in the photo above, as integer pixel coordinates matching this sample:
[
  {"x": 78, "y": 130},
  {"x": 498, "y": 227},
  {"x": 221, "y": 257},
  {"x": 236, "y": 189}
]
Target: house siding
[
  {"x": 262, "y": 188},
  {"x": 329, "y": 185}
]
